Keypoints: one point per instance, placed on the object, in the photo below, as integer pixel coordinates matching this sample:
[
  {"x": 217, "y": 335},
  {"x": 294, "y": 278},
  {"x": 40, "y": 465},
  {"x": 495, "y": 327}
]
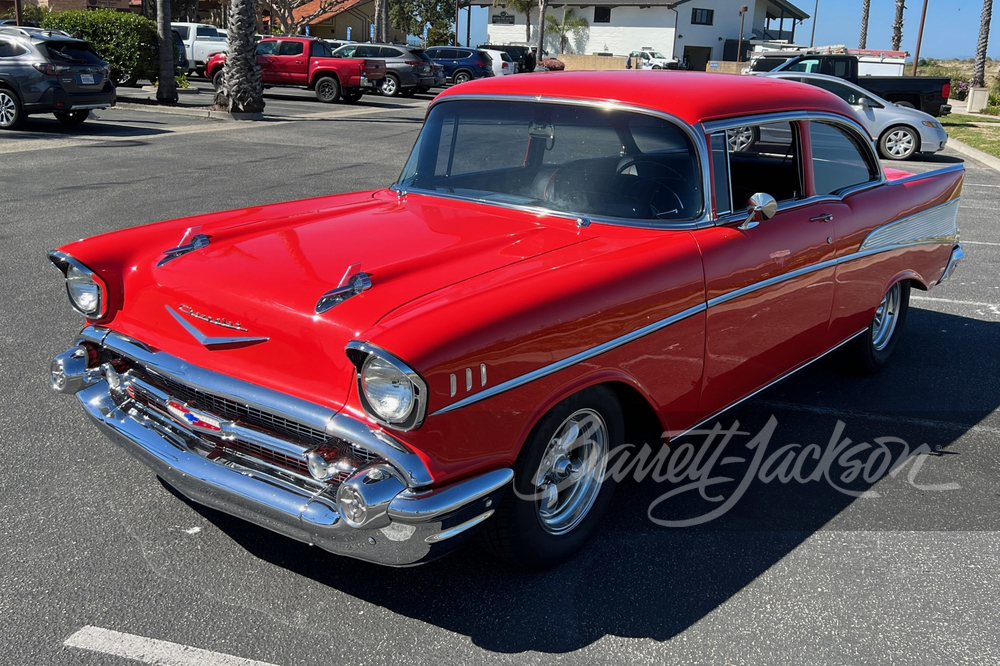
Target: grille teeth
[{"x": 263, "y": 420}]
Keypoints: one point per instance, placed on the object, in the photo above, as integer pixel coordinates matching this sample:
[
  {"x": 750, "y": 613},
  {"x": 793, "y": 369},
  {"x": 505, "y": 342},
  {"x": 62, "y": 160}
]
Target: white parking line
[
  {"x": 953, "y": 301},
  {"x": 978, "y": 185},
  {"x": 150, "y": 650},
  {"x": 968, "y": 242}
]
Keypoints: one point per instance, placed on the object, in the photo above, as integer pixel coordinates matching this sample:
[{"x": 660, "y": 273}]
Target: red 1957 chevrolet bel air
[{"x": 565, "y": 260}]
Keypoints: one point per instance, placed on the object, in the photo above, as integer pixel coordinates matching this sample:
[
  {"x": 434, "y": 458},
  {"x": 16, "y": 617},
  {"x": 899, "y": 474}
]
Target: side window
[
  {"x": 836, "y": 67},
  {"x": 10, "y": 49},
  {"x": 290, "y": 49},
  {"x": 320, "y": 50},
  {"x": 839, "y": 161},
  {"x": 602, "y": 14},
  {"x": 764, "y": 158},
  {"x": 206, "y": 31},
  {"x": 346, "y": 51},
  {"x": 366, "y": 52},
  {"x": 809, "y": 66},
  {"x": 386, "y": 52},
  {"x": 720, "y": 174},
  {"x": 266, "y": 48},
  {"x": 182, "y": 30}
]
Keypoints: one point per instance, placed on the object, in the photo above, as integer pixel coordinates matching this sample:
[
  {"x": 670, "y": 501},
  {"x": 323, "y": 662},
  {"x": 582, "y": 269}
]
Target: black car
[
  {"x": 522, "y": 55},
  {"x": 47, "y": 71}
]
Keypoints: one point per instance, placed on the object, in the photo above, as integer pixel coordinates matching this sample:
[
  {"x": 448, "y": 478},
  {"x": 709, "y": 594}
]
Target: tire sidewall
[
  {"x": 336, "y": 90},
  {"x": 218, "y": 79},
  {"x": 462, "y": 77},
  {"x": 18, "y": 110},
  {"x": 395, "y": 85},
  {"x": 884, "y": 151},
  {"x": 537, "y": 545},
  {"x": 873, "y": 359}
]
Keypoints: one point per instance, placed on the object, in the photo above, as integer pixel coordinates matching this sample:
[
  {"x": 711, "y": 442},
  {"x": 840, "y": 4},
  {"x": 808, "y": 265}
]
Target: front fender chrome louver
[{"x": 353, "y": 283}]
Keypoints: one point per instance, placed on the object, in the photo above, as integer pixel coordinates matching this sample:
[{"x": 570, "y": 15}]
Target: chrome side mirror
[
  {"x": 760, "y": 207},
  {"x": 863, "y": 102}
]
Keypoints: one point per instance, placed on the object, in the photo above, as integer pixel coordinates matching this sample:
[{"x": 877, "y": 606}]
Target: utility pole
[
  {"x": 739, "y": 45},
  {"x": 456, "y": 24},
  {"x": 18, "y": 12},
  {"x": 812, "y": 37},
  {"x": 920, "y": 34}
]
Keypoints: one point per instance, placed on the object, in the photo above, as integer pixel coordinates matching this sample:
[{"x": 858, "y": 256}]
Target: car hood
[{"x": 263, "y": 272}]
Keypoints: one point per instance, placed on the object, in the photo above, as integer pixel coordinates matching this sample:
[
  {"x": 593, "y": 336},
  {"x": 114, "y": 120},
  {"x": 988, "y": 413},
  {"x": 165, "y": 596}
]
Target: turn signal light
[{"x": 48, "y": 68}]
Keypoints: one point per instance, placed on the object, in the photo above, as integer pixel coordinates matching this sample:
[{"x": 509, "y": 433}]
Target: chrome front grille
[{"x": 270, "y": 438}]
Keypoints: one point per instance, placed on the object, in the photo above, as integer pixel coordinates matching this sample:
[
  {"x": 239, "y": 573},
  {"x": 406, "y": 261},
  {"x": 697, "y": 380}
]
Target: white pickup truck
[{"x": 201, "y": 41}]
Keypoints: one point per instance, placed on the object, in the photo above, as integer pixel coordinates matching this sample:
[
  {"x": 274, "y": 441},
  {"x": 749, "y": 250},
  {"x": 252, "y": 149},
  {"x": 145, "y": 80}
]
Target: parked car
[
  {"x": 283, "y": 62},
  {"x": 461, "y": 64},
  {"x": 335, "y": 44},
  {"x": 499, "y": 62},
  {"x": 927, "y": 93},
  {"x": 900, "y": 132},
  {"x": 47, "y": 71},
  {"x": 383, "y": 373},
  {"x": 407, "y": 69},
  {"x": 651, "y": 60},
  {"x": 181, "y": 63},
  {"x": 523, "y": 56},
  {"x": 201, "y": 42}
]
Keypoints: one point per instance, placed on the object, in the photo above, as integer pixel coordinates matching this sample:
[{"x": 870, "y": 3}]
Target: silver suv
[
  {"x": 47, "y": 71},
  {"x": 407, "y": 69}
]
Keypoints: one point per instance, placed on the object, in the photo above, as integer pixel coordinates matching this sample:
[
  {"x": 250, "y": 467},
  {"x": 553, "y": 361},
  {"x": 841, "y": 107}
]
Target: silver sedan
[{"x": 900, "y": 132}]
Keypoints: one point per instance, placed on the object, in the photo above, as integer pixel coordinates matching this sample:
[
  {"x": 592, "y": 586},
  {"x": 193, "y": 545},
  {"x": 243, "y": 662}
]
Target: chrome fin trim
[{"x": 934, "y": 225}]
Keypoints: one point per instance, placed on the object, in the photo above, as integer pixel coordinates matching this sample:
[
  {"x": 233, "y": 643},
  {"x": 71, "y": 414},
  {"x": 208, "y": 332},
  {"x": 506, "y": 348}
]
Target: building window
[
  {"x": 702, "y": 16},
  {"x": 602, "y": 14}
]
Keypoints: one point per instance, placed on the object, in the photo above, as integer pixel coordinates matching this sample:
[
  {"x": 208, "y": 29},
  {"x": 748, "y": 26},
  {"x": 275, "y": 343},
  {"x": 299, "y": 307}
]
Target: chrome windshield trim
[
  {"x": 336, "y": 424},
  {"x": 571, "y": 360},
  {"x": 697, "y": 140}
]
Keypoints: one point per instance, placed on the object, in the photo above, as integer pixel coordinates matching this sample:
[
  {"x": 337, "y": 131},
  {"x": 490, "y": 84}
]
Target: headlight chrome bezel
[
  {"x": 359, "y": 353},
  {"x": 65, "y": 263}
]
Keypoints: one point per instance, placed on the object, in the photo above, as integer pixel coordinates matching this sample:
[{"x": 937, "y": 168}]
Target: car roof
[{"x": 691, "y": 96}]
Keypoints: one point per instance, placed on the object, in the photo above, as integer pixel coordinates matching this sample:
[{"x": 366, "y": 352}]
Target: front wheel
[
  {"x": 462, "y": 77},
  {"x": 899, "y": 143},
  {"x": 873, "y": 348},
  {"x": 560, "y": 491},
  {"x": 218, "y": 79},
  {"x": 327, "y": 90},
  {"x": 72, "y": 118}
]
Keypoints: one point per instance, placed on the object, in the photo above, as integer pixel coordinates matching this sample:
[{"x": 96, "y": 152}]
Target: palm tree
[
  {"x": 543, "y": 6},
  {"x": 166, "y": 88},
  {"x": 979, "y": 71},
  {"x": 865, "y": 7},
  {"x": 242, "y": 90},
  {"x": 520, "y": 7},
  {"x": 570, "y": 23},
  {"x": 897, "y": 25}
]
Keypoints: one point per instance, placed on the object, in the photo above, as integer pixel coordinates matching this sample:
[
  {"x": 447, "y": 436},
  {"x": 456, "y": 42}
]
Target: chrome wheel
[
  {"x": 740, "y": 138},
  {"x": 462, "y": 77},
  {"x": 899, "y": 143},
  {"x": 885, "y": 320},
  {"x": 389, "y": 86},
  {"x": 571, "y": 472},
  {"x": 8, "y": 109}
]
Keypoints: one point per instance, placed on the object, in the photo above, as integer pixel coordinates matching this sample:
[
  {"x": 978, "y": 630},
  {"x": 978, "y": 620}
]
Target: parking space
[{"x": 102, "y": 562}]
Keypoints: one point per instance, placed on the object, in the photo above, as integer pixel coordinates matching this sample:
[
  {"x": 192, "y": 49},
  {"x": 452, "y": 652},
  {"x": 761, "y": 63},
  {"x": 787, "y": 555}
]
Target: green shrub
[
  {"x": 126, "y": 41},
  {"x": 993, "y": 99},
  {"x": 30, "y": 13},
  {"x": 992, "y": 110}
]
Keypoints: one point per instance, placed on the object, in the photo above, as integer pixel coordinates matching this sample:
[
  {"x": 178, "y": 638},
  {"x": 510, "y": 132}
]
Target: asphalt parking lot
[{"x": 794, "y": 573}]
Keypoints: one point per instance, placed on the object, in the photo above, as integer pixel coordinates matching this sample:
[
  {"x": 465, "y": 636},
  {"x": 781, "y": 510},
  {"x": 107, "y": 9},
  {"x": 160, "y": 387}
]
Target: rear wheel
[
  {"x": 408, "y": 92},
  {"x": 390, "y": 85},
  {"x": 899, "y": 143},
  {"x": 421, "y": 89},
  {"x": 72, "y": 118},
  {"x": 218, "y": 78},
  {"x": 11, "y": 112},
  {"x": 462, "y": 77},
  {"x": 559, "y": 492},
  {"x": 328, "y": 90},
  {"x": 352, "y": 95},
  {"x": 873, "y": 348}
]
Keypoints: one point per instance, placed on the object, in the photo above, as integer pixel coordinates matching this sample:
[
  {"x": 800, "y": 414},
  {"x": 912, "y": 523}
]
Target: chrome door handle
[{"x": 826, "y": 217}]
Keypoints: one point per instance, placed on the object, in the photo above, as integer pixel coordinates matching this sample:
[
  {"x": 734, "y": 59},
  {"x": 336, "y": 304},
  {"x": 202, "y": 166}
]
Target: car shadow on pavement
[
  {"x": 638, "y": 579},
  {"x": 40, "y": 127}
]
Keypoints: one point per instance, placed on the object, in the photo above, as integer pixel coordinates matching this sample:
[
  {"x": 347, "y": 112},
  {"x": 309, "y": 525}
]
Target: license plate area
[{"x": 86, "y": 79}]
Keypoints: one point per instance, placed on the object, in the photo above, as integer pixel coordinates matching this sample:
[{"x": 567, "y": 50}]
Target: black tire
[
  {"x": 11, "y": 111},
  {"x": 328, "y": 90},
  {"x": 899, "y": 142},
  {"x": 408, "y": 92},
  {"x": 870, "y": 352},
  {"x": 218, "y": 78},
  {"x": 72, "y": 118},
  {"x": 200, "y": 72},
  {"x": 352, "y": 95},
  {"x": 421, "y": 89},
  {"x": 462, "y": 77},
  {"x": 390, "y": 85},
  {"x": 516, "y": 532}
]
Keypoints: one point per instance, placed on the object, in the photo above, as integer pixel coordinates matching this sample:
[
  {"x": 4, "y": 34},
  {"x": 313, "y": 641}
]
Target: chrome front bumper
[{"x": 416, "y": 522}]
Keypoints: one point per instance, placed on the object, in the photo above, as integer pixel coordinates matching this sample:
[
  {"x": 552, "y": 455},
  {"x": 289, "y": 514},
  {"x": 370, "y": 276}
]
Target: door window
[
  {"x": 366, "y": 52},
  {"x": 290, "y": 49},
  {"x": 839, "y": 160},
  {"x": 182, "y": 30},
  {"x": 345, "y": 51},
  {"x": 386, "y": 52},
  {"x": 720, "y": 174},
  {"x": 809, "y": 65},
  {"x": 267, "y": 48},
  {"x": 764, "y": 158},
  {"x": 206, "y": 31},
  {"x": 320, "y": 50}
]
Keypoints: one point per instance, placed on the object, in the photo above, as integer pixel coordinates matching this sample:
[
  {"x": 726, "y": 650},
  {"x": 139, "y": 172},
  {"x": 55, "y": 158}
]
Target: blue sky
[{"x": 951, "y": 29}]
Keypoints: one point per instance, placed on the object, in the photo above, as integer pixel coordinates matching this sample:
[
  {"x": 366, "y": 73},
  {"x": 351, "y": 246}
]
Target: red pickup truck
[{"x": 308, "y": 62}]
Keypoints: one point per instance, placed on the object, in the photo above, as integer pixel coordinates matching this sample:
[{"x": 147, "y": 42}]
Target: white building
[{"x": 692, "y": 30}]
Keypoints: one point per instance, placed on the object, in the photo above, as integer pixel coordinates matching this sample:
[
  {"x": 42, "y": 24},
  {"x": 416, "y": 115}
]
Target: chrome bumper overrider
[
  {"x": 408, "y": 523},
  {"x": 956, "y": 256}
]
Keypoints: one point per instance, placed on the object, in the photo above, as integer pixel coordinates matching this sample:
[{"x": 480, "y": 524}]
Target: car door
[
  {"x": 769, "y": 285},
  {"x": 265, "y": 58},
  {"x": 291, "y": 66}
]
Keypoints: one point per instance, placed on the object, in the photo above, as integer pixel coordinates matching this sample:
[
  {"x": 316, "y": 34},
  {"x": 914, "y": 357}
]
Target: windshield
[
  {"x": 766, "y": 64},
  {"x": 657, "y": 55},
  {"x": 564, "y": 158},
  {"x": 75, "y": 52}
]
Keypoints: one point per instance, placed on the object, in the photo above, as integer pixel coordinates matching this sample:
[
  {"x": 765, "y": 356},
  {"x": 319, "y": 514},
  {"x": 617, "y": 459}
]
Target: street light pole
[
  {"x": 739, "y": 45},
  {"x": 18, "y": 12},
  {"x": 812, "y": 37},
  {"x": 456, "y": 24},
  {"x": 920, "y": 34}
]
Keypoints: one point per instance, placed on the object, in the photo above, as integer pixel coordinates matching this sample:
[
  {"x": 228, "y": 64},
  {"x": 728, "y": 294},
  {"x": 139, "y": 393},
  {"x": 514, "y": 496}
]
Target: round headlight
[
  {"x": 84, "y": 293},
  {"x": 388, "y": 390}
]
